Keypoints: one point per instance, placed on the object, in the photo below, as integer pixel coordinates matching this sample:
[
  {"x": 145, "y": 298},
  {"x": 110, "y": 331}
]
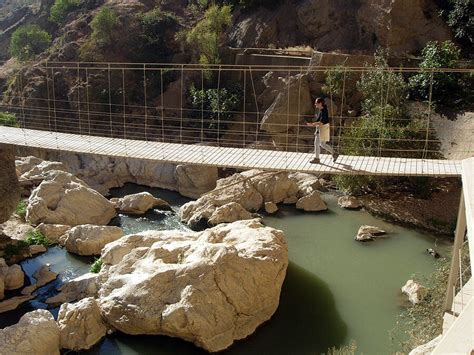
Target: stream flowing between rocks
[{"x": 336, "y": 289}]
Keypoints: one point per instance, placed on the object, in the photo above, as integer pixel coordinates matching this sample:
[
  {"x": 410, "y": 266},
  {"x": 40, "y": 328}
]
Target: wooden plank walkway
[{"x": 239, "y": 158}]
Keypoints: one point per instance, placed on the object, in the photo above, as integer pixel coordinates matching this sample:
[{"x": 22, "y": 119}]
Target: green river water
[{"x": 336, "y": 289}]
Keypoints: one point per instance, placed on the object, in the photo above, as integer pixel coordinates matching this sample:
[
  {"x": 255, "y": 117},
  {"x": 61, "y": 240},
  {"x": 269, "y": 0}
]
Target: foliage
[
  {"x": 104, "y": 35},
  {"x": 28, "y": 41},
  {"x": 8, "y": 119},
  {"x": 444, "y": 85},
  {"x": 459, "y": 14},
  {"x": 104, "y": 26},
  {"x": 35, "y": 237},
  {"x": 384, "y": 128},
  {"x": 61, "y": 8},
  {"x": 216, "y": 105},
  {"x": 21, "y": 209},
  {"x": 96, "y": 266},
  {"x": 335, "y": 78},
  {"x": 206, "y": 34},
  {"x": 424, "y": 321},
  {"x": 153, "y": 27},
  {"x": 344, "y": 350}
]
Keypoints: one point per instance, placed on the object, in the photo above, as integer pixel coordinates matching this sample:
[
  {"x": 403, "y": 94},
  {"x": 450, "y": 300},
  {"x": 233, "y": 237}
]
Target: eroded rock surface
[
  {"x": 367, "y": 233},
  {"x": 80, "y": 324},
  {"x": 53, "y": 231},
  {"x": 9, "y": 187},
  {"x": 210, "y": 287},
  {"x": 89, "y": 239},
  {"x": 139, "y": 203},
  {"x": 64, "y": 199},
  {"x": 415, "y": 292},
  {"x": 83, "y": 286},
  {"x": 349, "y": 202},
  {"x": 312, "y": 203},
  {"x": 35, "y": 333}
]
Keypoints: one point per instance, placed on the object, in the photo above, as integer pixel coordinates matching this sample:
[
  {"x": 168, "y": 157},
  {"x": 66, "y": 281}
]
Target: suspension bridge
[{"x": 98, "y": 108}]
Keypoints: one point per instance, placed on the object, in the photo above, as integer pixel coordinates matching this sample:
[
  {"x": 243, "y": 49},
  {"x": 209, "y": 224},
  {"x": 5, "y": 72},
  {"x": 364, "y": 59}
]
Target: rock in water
[
  {"x": 349, "y": 202},
  {"x": 312, "y": 202},
  {"x": 36, "y": 333},
  {"x": 80, "y": 324},
  {"x": 367, "y": 233},
  {"x": 139, "y": 203},
  {"x": 414, "y": 291},
  {"x": 271, "y": 207},
  {"x": 210, "y": 287},
  {"x": 64, "y": 199},
  {"x": 89, "y": 239}
]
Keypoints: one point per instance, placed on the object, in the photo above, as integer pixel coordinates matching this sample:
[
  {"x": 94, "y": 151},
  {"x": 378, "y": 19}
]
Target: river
[{"x": 336, "y": 289}]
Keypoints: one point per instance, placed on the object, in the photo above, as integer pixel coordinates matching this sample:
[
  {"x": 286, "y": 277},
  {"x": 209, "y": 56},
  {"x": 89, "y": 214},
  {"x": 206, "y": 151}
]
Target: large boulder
[
  {"x": 53, "y": 232},
  {"x": 64, "y": 199},
  {"x": 89, "y": 239},
  {"x": 80, "y": 324},
  {"x": 35, "y": 333},
  {"x": 139, "y": 203},
  {"x": 210, "y": 287},
  {"x": 9, "y": 187}
]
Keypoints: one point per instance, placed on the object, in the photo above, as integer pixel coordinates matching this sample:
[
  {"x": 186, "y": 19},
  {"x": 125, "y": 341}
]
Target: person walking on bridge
[{"x": 322, "y": 133}]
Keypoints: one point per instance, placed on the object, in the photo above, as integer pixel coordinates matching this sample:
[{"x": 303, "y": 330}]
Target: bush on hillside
[
  {"x": 205, "y": 36},
  {"x": 28, "y": 41},
  {"x": 442, "y": 85},
  {"x": 459, "y": 14},
  {"x": 61, "y": 8}
]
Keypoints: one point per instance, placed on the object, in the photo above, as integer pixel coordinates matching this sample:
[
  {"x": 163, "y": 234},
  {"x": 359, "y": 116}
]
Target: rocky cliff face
[
  {"x": 9, "y": 187},
  {"x": 404, "y": 26}
]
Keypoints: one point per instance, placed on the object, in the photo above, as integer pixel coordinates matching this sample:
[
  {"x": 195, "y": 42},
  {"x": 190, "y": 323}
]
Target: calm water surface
[{"x": 336, "y": 289}]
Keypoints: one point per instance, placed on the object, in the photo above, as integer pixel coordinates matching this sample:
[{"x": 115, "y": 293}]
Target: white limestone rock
[
  {"x": 36, "y": 333},
  {"x": 83, "y": 286},
  {"x": 368, "y": 233},
  {"x": 12, "y": 303},
  {"x": 312, "y": 203},
  {"x": 415, "y": 292},
  {"x": 13, "y": 276},
  {"x": 271, "y": 207},
  {"x": 64, "y": 199},
  {"x": 36, "y": 249},
  {"x": 230, "y": 212},
  {"x": 25, "y": 164},
  {"x": 349, "y": 202},
  {"x": 53, "y": 232},
  {"x": 139, "y": 203},
  {"x": 194, "y": 180},
  {"x": 44, "y": 275},
  {"x": 80, "y": 325},
  {"x": 39, "y": 171},
  {"x": 210, "y": 287},
  {"x": 307, "y": 183},
  {"x": 89, "y": 239}
]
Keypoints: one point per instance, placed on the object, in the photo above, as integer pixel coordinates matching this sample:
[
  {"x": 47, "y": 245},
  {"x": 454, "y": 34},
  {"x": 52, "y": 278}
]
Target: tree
[
  {"x": 104, "y": 26},
  {"x": 459, "y": 14},
  {"x": 28, "y": 41},
  {"x": 61, "y": 8},
  {"x": 207, "y": 33},
  {"x": 440, "y": 84}
]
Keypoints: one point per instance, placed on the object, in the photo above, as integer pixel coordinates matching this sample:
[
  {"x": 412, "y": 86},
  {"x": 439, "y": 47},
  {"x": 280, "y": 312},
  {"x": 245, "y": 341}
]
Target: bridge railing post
[{"x": 458, "y": 241}]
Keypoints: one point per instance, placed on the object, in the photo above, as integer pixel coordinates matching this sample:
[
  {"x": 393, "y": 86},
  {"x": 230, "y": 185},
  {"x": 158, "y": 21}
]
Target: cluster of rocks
[
  {"x": 240, "y": 195},
  {"x": 169, "y": 276}
]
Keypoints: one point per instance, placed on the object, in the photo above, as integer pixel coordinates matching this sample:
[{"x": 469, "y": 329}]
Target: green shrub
[
  {"x": 104, "y": 26},
  {"x": 35, "y": 237},
  {"x": 445, "y": 85},
  {"x": 216, "y": 104},
  {"x": 21, "y": 209},
  {"x": 96, "y": 266},
  {"x": 205, "y": 36},
  {"x": 8, "y": 119},
  {"x": 28, "y": 41},
  {"x": 335, "y": 78},
  {"x": 61, "y": 8}
]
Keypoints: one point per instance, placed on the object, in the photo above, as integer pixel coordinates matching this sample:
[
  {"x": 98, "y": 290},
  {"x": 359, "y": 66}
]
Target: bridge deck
[{"x": 228, "y": 157}]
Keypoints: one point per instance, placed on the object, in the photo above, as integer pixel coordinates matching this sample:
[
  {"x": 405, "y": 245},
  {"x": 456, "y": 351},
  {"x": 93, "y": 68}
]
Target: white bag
[{"x": 325, "y": 133}]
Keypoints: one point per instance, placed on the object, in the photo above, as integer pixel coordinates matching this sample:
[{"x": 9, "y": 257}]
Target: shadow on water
[{"x": 306, "y": 322}]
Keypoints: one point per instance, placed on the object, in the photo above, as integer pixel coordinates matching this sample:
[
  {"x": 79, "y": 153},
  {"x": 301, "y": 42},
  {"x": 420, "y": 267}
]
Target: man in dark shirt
[{"x": 322, "y": 133}]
